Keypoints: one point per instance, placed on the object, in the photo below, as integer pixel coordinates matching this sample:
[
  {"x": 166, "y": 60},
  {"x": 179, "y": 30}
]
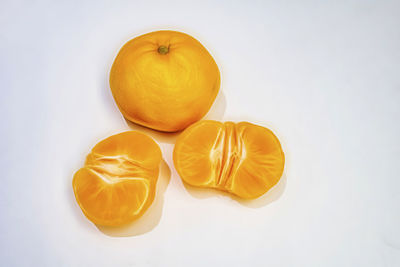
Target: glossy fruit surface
[
  {"x": 244, "y": 159},
  {"x": 164, "y": 80},
  {"x": 117, "y": 183}
]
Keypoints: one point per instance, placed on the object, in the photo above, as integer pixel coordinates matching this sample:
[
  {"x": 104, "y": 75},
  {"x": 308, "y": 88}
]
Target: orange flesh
[
  {"x": 244, "y": 159},
  {"x": 117, "y": 183}
]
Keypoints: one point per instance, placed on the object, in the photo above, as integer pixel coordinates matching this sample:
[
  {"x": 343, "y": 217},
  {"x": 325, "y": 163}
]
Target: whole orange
[{"x": 164, "y": 80}]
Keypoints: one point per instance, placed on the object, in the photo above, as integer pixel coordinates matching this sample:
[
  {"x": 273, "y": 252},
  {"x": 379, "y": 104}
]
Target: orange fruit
[
  {"x": 164, "y": 80},
  {"x": 117, "y": 183},
  {"x": 244, "y": 159}
]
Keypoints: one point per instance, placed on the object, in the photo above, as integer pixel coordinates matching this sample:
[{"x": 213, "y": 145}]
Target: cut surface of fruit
[
  {"x": 117, "y": 183},
  {"x": 164, "y": 80},
  {"x": 241, "y": 158}
]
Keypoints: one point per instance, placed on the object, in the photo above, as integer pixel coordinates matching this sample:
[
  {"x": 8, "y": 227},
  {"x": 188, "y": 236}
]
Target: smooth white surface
[{"x": 324, "y": 76}]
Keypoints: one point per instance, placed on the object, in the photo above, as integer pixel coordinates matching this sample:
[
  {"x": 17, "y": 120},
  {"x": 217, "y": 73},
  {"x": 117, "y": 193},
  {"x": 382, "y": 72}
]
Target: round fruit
[
  {"x": 117, "y": 183},
  {"x": 164, "y": 80}
]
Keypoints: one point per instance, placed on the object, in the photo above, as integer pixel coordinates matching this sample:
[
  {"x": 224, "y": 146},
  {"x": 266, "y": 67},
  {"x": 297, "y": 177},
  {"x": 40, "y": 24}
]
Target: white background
[{"x": 323, "y": 75}]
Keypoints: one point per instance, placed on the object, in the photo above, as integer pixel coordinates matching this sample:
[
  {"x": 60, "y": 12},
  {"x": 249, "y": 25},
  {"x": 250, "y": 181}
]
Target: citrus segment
[
  {"x": 117, "y": 183},
  {"x": 194, "y": 153},
  {"x": 243, "y": 158}
]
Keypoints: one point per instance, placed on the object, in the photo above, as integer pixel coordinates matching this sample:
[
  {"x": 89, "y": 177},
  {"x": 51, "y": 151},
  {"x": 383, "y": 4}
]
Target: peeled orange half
[
  {"x": 117, "y": 183},
  {"x": 164, "y": 80},
  {"x": 244, "y": 159}
]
